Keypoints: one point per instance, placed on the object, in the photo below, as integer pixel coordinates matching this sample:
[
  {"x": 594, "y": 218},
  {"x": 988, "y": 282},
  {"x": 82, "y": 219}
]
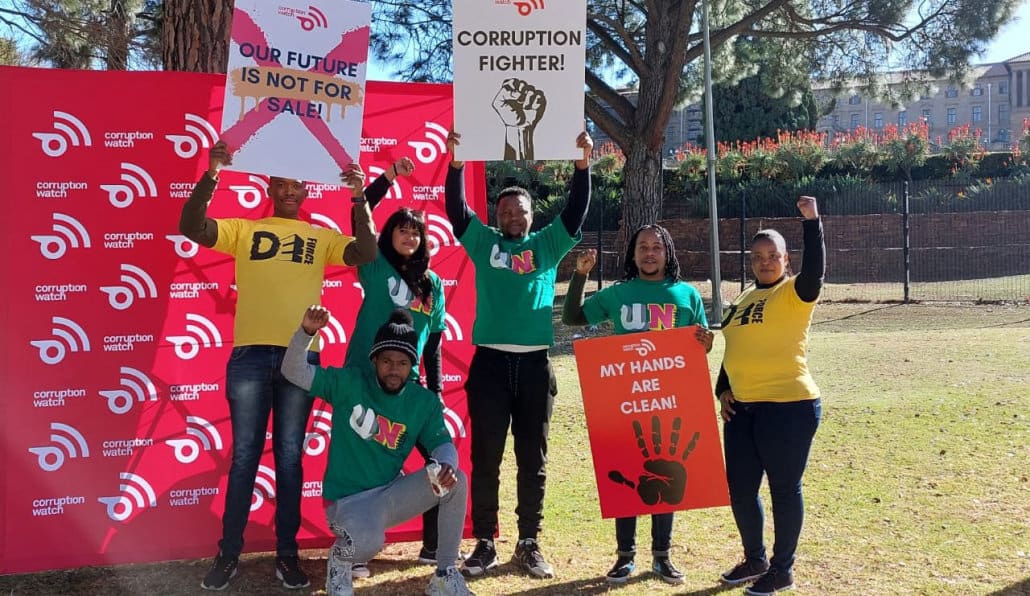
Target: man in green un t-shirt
[{"x": 510, "y": 379}]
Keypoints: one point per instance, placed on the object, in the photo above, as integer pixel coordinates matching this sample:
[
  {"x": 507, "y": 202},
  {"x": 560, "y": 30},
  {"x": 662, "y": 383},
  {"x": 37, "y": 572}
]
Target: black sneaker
[
  {"x": 745, "y": 571},
  {"x": 528, "y": 555},
  {"x": 483, "y": 557},
  {"x": 774, "y": 580},
  {"x": 288, "y": 570},
  {"x": 426, "y": 556},
  {"x": 667, "y": 571},
  {"x": 222, "y": 570},
  {"x": 621, "y": 570}
]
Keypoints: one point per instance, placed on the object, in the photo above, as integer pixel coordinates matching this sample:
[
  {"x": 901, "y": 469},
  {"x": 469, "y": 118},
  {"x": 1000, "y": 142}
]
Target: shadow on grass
[
  {"x": 856, "y": 315},
  {"x": 1018, "y": 589}
]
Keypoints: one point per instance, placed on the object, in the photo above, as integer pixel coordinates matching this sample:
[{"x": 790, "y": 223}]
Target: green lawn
[{"x": 917, "y": 483}]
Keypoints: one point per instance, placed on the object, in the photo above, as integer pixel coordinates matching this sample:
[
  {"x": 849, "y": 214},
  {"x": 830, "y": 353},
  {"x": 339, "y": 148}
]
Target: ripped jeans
[{"x": 360, "y": 521}]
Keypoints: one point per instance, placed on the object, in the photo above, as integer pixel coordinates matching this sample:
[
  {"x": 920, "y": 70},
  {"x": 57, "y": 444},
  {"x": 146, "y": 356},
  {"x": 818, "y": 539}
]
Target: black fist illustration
[{"x": 664, "y": 480}]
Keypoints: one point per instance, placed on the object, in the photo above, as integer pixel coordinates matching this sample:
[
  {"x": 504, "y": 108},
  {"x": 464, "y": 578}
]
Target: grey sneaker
[
  {"x": 360, "y": 571},
  {"x": 222, "y": 570},
  {"x": 528, "y": 555},
  {"x": 450, "y": 584}
]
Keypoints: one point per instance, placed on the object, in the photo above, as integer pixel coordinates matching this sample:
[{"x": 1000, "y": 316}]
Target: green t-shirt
[
  {"x": 641, "y": 305},
  {"x": 515, "y": 282},
  {"x": 373, "y": 431},
  {"x": 385, "y": 290}
]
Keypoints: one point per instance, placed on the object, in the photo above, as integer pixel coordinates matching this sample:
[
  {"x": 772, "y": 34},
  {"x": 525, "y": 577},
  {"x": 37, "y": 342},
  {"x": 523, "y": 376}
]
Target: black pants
[{"x": 515, "y": 388}]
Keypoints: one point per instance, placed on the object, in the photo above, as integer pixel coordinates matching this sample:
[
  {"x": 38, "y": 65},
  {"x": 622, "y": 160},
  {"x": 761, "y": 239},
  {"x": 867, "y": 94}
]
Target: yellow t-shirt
[
  {"x": 280, "y": 265},
  {"x": 766, "y": 331}
]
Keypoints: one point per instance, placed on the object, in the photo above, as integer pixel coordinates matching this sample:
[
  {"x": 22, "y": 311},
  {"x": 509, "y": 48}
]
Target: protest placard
[
  {"x": 295, "y": 87},
  {"x": 651, "y": 419},
  {"x": 518, "y": 78}
]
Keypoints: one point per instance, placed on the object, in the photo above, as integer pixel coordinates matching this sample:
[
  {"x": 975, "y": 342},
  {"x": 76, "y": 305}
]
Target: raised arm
[
  {"x": 381, "y": 185},
  {"x": 575, "y": 211},
  {"x": 813, "y": 258},
  {"x": 572, "y": 310},
  {"x": 458, "y": 211},
  {"x": 193, "y": 221},
  {"x": 363, "y": 249},
  {"x": 432, "y": 360},
  {"x": 295, "y": 365}
]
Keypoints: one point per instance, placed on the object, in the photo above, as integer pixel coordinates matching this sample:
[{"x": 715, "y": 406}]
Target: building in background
[{"x": 996, "y": 102}]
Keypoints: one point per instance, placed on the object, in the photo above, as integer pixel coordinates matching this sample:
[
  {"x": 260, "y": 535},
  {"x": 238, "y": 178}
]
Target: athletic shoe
[
  {"x": 621, "y": 570},
  {"x": 483, "y": 557},
  {"x": 667, "y": 571},
  {"x": 360, "y": 571},
  {"x": 774, "y": 580},
  {"x": 746, "y": 571},
  {"x": 528, "y": 555},
  {"x": 288, "y": 570},
  {"x": 450, "y": 584},
  {"x": 222, "y": 570}
]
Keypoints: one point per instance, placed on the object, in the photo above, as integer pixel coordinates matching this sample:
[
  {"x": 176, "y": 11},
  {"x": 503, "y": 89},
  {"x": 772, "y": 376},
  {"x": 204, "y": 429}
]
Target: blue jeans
[
  {"x": 661, "y": 535},
  {"x": 772, "y": 439},
  {"x": 254, "y": 388}
]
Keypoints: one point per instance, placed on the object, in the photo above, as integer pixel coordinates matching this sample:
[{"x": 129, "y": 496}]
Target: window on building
[
  {"x": 836, "y": 120},
  {"x": 928, "y": 116},
  {"x": 976, "y": 91},
  {"x": 951, "y": 92},
  {"x": 855, "y": 100},
  {"x": 1003, "y": 113},
  {"x": 1019, "y": 89},
  {"x": 855, "y": 120},
  {"x": 1003, "y": 88},
  {"x": 1003, "y": 135},
  {"x": 952, "y": 116},
  {"x": 878, "y": 120},
  {"x": 977, "y": 114},
  {"x": 902, "y": 118}
]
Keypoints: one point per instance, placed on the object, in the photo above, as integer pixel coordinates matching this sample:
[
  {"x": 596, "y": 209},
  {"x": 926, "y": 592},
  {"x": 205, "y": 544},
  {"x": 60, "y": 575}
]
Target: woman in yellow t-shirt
[{"x": 769, "y": 402}]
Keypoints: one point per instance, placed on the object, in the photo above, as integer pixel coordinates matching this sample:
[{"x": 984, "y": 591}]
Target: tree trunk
[
  {"x": 118, "y": 37},
  {"x": 195, "y": 35}
]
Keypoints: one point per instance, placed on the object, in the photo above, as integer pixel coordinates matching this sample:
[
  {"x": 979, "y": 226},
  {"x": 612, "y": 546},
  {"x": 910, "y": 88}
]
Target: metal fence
[{"x": 918, "y": 241}]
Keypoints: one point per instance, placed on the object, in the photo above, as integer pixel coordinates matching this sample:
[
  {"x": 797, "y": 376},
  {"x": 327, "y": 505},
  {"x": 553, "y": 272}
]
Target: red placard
[
  {"x": 117, "y": 330},
  {"x": 651, "y": 420}
]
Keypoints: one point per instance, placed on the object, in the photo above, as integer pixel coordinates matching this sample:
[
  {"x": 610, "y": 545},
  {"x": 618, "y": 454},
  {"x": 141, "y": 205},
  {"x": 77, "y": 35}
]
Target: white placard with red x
[{"x": 295, "y": 86}]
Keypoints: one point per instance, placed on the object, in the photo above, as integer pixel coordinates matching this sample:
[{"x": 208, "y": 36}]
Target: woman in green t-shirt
[{"x": 649, "y": 297}]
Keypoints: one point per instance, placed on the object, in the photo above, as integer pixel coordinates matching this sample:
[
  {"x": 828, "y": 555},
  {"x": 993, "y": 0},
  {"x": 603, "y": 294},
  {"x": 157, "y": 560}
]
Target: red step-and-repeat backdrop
[{"x": 116, "y": 329}]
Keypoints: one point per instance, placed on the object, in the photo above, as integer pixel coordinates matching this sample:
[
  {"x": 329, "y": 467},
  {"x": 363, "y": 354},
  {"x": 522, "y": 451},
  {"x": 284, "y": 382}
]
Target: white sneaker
[
  {"x": 360, "y": 571},
  {"x": 339, "y": 577},
  {"x": 452, "y": 584}
]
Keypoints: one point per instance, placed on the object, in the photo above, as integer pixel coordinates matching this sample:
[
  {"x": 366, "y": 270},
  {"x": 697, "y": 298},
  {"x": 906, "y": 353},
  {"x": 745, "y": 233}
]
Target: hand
[
  {"x": 584, "y": 142},
  {"x": 315, "y": 317},
  {"x": 402, "y": 167},
  {"x": 726, "y": 409},
  {"x": 447, "y": 477},
  {"x": 219, "y": 156},
  {"x": 354, "y": 177},
  {"x": 586, "y": 261},
  {"x": 704, "y": 336},
  {"x": 453, "y": 140},
  {"x": 519, "y": 104},
  {"x": 663, "y": 480},
  {"x": 808, "y": 207}
]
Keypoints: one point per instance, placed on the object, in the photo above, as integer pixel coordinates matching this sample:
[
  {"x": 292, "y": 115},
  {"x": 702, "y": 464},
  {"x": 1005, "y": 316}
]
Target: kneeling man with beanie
[{"x": 377, "y": 420}]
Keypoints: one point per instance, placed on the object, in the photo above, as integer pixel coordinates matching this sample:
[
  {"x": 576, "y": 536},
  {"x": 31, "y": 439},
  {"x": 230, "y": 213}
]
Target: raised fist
[
  {"x": 315, "y": 317},
  {"x": 586, "y": 261},
  {"x": 808, "y": 207},
  {"x": 220, "y": 155},
  {"x": 520, "y": 107}
]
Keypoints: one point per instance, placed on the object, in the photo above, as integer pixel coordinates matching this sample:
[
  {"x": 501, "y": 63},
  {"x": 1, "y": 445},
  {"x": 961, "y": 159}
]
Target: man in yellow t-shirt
[{"x": 280, "y": 266}]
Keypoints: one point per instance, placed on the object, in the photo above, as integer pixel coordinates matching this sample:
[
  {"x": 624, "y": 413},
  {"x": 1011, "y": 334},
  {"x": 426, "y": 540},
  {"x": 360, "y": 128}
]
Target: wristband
[{"x": 395, "y": 174}]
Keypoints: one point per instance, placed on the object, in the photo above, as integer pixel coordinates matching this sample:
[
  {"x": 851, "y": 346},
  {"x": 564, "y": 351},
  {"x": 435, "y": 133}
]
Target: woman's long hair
[
  {"x": 672, "y": 264},
  {"x": 414, "y": 270}
]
